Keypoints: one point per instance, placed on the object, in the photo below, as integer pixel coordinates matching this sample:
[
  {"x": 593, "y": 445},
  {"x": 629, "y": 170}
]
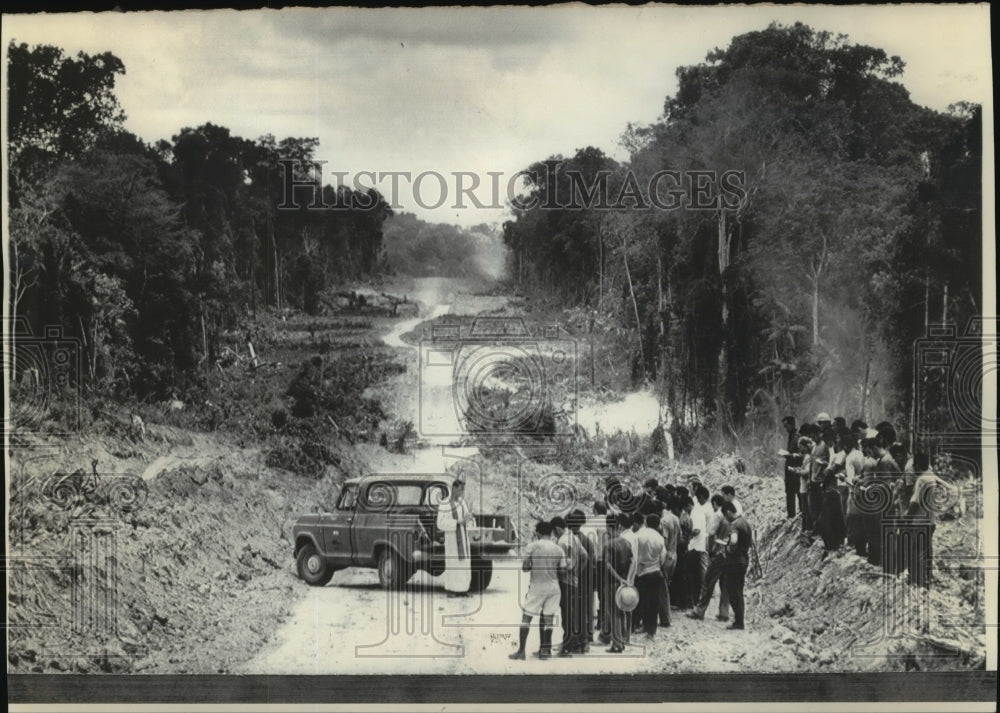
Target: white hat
[
  {"x": 627, "y": 597},
  {"x": 824, "y": 416}
]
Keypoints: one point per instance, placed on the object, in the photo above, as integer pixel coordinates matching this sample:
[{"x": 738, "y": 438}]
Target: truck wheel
[
  {"x": 393, "y": 572},
  {"x": 482, "y": 574},
  {"x": 311, "y": 566}
]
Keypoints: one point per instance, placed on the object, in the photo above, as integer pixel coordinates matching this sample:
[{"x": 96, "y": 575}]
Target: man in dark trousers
[
  {"x": 619, "y": 568},
  {"x": 737, "y": 561},
  {"x": 793, "y": 459},
  {"x": 876, "y": 498},
  {"x": 670, "y": 526},
  {"x": 649, "y": 573},
  {"x": 585, "y": 592},
  {"x": 569, "y": 584},
  {"x": 819, "y": 459},
  {"x": 718, "y": 539}
]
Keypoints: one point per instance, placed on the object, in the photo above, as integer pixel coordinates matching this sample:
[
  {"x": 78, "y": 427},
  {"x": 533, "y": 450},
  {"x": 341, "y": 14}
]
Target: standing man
[
  {"x": 854, "y": 466},
  {"x": 876, "y": 498},
  {"x": 921, "y": 511},
  {"x": 543, "y": 559},
  {"x": 818, "y": 461},
  {"x": 831, "y": 525},
  {"x": 718, "y": 538},
  {"x": 737, "y": 561},
  {"x": 631, "y": 536},
  {"x": 649, "y": 573},
  {"x": 682, "y": 590},
  {"x": 697, "y": 555},
  {"x": 793, "y": 458},
  {"x": 454, "y": 518},
  {"x": 619, "y": 568},
  {"x": 569, "y": 583},
  {"x": 805, "y": 448},
  {"x": 585, "y": 605},
  {"x": 670, "y": 527},
  {"x": 599, "y": 533}
]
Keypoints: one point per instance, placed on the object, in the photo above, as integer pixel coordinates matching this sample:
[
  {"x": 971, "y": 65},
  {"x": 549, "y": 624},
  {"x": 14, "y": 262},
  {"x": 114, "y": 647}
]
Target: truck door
[
  {"x": 337, "y": 526},
  {"x": 388, "y": 512},
  {"x": 375, "y": 501}
]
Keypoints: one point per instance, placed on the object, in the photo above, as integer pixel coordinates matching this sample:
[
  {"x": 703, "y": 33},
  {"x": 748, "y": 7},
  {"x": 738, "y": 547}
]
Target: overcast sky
[{"x": 466, "y": 89}]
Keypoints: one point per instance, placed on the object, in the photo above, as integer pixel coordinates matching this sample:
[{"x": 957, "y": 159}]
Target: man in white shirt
[
  {"x": 649, "y": 572},
  {"x": 718, "y": 538},
  {"x": 697, "y": 554},
  {"x": 631, "y": 536}
]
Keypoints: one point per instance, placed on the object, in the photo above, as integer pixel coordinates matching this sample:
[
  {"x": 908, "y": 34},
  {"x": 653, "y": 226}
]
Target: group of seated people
[{"x": 861, "y": 486}]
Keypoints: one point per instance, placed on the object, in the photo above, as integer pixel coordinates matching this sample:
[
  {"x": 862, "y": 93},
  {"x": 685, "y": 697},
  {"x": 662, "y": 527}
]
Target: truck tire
[
  {"x": 393, "y": 571},
  {"x": 482, "y": 574},
  {"x": 311, "y": 566}
]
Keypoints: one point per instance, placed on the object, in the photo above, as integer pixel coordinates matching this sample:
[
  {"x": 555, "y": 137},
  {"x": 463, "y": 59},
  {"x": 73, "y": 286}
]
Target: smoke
[
  {"x": 491, "y": 253},
  {"x": 419, "y": 249}
]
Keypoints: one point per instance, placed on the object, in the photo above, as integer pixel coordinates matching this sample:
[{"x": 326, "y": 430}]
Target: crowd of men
[
  {"x": 861, "y": 487},
  {"x": 674, "y": 545},
  {"x": 853, "y": 485}
]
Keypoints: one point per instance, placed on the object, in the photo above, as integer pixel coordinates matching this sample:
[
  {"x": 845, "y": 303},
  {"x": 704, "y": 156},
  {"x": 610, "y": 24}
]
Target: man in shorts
[{"x": 543, "y": 559}]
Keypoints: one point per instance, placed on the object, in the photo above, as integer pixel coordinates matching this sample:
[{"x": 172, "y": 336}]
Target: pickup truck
[{"x": 389, "y": 522}]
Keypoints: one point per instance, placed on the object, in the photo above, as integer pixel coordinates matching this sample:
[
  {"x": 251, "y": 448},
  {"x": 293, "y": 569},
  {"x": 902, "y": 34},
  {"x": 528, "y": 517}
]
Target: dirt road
[{"x": 352, "y": 626}]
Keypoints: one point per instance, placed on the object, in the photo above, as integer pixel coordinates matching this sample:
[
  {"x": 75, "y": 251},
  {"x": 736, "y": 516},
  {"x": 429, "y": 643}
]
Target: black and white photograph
[{"x": 477, "y": 355}]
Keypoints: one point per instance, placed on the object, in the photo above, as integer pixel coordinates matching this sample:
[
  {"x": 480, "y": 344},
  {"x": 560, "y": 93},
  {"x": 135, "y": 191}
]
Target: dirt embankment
[{"x": 191, "y": 578}]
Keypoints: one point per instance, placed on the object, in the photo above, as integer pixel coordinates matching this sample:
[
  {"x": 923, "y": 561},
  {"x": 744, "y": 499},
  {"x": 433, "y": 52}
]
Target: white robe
[{"x": 457, "y": 572}]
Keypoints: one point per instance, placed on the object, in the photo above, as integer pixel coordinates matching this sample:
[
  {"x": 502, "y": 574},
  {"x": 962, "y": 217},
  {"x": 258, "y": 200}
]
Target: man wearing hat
[{"x": 454, "y": 518}]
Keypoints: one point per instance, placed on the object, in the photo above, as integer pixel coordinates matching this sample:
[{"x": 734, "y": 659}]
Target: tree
[{"x": 59, "y": 106}]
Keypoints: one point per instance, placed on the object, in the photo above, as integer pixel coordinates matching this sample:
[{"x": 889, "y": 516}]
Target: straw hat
[{"x": 627, "y": 597}]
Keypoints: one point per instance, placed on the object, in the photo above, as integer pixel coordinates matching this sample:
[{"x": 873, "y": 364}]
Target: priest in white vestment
[{"x": 454, "y": 518}]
